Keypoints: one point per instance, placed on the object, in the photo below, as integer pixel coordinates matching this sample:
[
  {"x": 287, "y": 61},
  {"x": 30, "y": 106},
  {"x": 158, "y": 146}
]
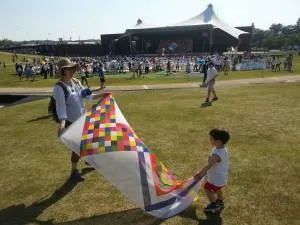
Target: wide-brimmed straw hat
[{"x": 66, "y": 63}]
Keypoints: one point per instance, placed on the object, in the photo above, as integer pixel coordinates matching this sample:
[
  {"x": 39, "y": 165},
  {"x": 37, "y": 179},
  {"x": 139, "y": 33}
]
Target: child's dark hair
[{"x": 220, "y": 134}]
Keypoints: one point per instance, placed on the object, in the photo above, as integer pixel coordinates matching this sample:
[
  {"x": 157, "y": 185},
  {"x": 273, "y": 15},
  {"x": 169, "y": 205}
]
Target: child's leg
[
  {"x": 220, "y": 195},
  {"x": 208, "y": 93},
  {"x": 220, "y": 199},
  {"x": 214, "y": 93},
  {"x": 211, "y": 196}
]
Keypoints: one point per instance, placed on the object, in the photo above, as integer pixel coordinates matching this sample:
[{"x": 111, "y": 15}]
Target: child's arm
[
  {"x": 211, "y": 162},
  {"x": 215, "y": 76}
]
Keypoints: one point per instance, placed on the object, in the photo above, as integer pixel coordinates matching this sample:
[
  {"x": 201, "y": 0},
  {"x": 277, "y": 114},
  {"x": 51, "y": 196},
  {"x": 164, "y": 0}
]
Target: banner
[{"x": 103, "y": 138}]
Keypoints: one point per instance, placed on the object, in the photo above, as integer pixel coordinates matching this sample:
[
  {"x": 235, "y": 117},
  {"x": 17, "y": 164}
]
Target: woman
[{"x": 69, "y": 108}]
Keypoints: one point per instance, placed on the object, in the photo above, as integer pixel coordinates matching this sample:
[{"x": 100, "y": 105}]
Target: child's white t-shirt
[
  {"x": 218, "y": 174},
  {"x": 211, "y": 72}
]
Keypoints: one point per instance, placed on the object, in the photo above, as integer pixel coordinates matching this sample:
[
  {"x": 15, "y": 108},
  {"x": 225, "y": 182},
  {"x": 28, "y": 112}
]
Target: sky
[{"x": 88, "y": 19}]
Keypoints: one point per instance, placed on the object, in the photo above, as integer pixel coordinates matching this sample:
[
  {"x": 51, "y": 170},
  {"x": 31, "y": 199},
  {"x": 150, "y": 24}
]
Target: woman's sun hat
[{"x": 66, "y": 63}]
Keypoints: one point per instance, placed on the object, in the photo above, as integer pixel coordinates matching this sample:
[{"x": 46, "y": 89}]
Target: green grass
[
  {"x": 264, "y": 175},
  {"x": 8, "y": 77}
]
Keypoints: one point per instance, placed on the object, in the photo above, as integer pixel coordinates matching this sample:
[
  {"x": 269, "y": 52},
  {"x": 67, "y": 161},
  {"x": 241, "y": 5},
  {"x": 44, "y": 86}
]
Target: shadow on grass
[
  {"x": 136, "y": 216},
  {"x": 190, "y": 213},
  {"x": 206, "y": 104},
  {"x": 39, "y": 118},
  {"x": 22, "y": 214},
  {"x": 131, "y": 216},
  {"x": 211, "y": 220}
]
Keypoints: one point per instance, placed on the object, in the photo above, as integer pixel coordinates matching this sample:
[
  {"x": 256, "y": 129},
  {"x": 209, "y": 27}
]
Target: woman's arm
[{"x": 61, "y": 110}]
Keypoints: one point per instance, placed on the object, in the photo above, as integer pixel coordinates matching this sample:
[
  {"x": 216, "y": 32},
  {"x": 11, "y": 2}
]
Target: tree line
[{"x": 277, "y": 36}]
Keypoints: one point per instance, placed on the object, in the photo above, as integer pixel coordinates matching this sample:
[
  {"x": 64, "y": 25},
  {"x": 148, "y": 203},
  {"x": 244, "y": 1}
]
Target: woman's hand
[{"x": 61, "y": 127}]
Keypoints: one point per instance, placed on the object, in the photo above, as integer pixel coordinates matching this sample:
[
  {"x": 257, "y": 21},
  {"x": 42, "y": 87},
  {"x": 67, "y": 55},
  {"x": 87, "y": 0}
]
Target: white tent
[
  {"x": 208, "y": 17},
  {"x": 141, "y": 25}
]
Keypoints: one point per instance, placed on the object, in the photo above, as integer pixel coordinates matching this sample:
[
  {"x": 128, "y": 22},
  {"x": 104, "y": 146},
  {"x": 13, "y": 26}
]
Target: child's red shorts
[{"x": 210, "y": 187}]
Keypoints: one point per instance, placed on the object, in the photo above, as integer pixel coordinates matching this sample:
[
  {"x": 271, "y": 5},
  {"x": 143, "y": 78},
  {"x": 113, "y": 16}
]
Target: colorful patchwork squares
[{"x": 102, "y": 133}]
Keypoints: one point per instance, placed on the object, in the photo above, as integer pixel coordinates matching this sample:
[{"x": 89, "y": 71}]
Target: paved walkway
[{"x": 230, "y": 83}]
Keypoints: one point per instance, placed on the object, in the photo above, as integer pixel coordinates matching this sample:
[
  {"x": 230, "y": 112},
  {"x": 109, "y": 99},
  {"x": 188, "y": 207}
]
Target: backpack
[{"x": 52, "y": 103}]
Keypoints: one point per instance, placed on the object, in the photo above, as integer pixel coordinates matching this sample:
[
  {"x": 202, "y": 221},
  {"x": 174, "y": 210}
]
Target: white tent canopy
[
  {"x": 208, "y": 17},
  {"x": 141, "y": 25}
]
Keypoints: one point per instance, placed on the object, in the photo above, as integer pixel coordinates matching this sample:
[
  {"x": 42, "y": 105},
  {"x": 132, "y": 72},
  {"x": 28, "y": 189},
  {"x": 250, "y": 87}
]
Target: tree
[
  {"x": 297, "y": 28},
  {"x": 276, "y": 28},
  {"x": 258, "y": 38},
  {"x": 5, "y": 43},
  {"x": 293, "y": 39}
]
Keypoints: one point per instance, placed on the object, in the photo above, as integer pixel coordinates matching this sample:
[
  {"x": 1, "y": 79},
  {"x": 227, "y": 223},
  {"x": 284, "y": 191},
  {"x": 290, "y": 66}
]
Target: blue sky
[{"x": 33, "y": 19}]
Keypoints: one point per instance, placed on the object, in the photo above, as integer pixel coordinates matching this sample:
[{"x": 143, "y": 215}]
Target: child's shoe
[
  {"x": 212, "y": 208},
  {"x": 221, "y": 204},
  {"x": 76, "y": 177}
]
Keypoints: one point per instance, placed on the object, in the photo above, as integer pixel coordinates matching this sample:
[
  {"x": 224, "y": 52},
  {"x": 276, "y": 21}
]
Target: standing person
[
  {"x": 140, "y": 69},
  {"x": 278, "y": 63},
  {"x": 134, "y": 69},
  {"x": 188, "y": 67},
  {"x": 168, "y": 67},
  {"x": 83, "y": 77},
  {"x": 101, "y": 76},
  {"x": 216, "y": 170},
  {"x": 147, "y": 66},
  {"x": 51, "y": 67},
  {"x": 289, "y": 63},
  {"x": 71, "y": 108},
  {"x": 86, "y": 70},
  {"x": 122, "y": 67},
  {"x": 210, "y": 82},
  {"x": 19, "y": 69},
  {"x": 204, "y": 69},
  {"x": 44, "y": 71},
  {"x": 226, "y": 67},
  {"x": 28, "y": 71},
  {"x": 129, "y": 66},
  {"x": 285, "y": 64},
  {"x": 177, "y": 66},
  {"x": 273, "y": 63}
]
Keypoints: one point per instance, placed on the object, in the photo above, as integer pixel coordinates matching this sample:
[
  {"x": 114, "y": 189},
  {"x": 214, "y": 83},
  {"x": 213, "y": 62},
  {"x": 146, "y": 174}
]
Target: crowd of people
[{"x": 143, "y": 65}]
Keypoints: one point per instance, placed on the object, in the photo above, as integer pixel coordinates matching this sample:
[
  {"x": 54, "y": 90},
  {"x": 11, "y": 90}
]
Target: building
[{"x": 204, "y": 33}]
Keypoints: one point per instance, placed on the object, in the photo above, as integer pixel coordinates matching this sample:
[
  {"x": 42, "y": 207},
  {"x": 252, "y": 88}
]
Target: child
[
  {"x": 210, "y": 82},
  {"x": 216, "y": 170}
]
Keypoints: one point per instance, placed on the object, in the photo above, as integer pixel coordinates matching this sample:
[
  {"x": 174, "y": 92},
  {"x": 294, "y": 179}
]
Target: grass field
[
  {"x": 8, "y": 77},
  {"x": 264, "y": 175}
]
